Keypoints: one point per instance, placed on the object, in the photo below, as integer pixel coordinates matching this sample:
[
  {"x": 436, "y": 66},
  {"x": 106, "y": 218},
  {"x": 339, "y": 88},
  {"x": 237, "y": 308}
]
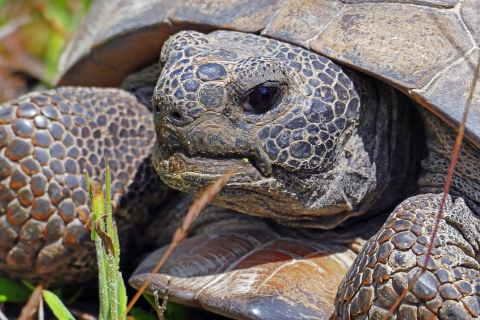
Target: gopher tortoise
[{"x": 337, "y": 117}]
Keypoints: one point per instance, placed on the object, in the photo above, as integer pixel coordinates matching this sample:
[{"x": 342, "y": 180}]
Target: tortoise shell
[{"x": 428, "y": 49}]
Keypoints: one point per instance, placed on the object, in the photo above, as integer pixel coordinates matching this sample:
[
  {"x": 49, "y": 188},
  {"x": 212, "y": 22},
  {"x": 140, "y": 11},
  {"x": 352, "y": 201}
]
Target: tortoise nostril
[
  {"x": 157, "y": 108},
  {"x": 176, "y": 116}
]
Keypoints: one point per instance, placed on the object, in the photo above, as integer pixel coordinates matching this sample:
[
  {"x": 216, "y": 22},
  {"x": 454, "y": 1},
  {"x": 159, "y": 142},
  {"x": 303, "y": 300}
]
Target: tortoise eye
[{"x": 262, "y": 98}]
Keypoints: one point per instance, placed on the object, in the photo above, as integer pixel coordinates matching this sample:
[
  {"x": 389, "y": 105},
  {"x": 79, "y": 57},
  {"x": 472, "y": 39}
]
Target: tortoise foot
[{"x": 391, "y": 261}]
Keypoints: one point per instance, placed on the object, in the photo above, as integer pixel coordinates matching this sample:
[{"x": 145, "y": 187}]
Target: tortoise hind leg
[
  {"x": 390, "y": 260},
  {"x": 47, "y": 140}
]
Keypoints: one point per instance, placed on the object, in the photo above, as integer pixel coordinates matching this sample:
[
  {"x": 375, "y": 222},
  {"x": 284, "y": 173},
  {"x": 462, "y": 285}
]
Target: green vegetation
[
  {"x": 20, "y": 291},
  {"x": 38, "y": 30},
  {"x": 13, "y": 291},
  {"x": 58, "y": 308},
  {"x": 113, "y": 297}
]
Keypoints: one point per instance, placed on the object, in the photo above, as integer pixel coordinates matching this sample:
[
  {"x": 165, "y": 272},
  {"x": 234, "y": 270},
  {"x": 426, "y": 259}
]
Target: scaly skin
[
  {"x": 325, "y": 127},
  {"x": 334, "y": 145},
  {"x": 391, "y": 259},
  {"x": 47, "y": 140}
]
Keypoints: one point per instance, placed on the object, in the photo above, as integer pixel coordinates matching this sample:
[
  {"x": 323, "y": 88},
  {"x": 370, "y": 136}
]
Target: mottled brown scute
[{"x": 408, "y": 43}]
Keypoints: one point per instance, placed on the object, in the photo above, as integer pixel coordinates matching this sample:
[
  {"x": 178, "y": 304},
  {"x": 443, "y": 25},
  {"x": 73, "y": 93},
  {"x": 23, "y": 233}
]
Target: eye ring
[{"x": 263, "y": 98}]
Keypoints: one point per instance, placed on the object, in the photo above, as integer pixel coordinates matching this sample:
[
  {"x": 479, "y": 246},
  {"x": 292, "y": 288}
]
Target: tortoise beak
[{"x": 213, "y": 137}]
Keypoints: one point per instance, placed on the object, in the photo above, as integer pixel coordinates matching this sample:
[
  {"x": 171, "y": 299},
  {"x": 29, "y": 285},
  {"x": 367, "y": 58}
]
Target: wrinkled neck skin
[
  {"x": 335, "y": 145},
  {"x": 466, "y": 180},
  {"x": 379, "y": 166}
]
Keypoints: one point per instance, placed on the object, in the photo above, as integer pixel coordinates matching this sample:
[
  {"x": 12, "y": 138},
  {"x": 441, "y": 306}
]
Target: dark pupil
[{"x": 262, "y": 98}]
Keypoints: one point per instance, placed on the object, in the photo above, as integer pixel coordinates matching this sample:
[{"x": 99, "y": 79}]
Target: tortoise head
[{"x": 283, "y": 118}]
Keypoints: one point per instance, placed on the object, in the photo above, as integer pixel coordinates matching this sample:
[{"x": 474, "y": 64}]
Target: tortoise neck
[
  {"x": 142, "y": 83},
  {"x": 398, "y": 160},
  {"x": 441, "y": 141},
  {"x": 391, "y": 130}
]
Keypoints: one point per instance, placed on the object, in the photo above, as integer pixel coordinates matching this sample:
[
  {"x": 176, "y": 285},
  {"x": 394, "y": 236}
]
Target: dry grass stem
[
  {"x": 29, "y": 310},
  {"x": 13, "y": 26},
  {"x": 80, "y": 315},
  {"x": 2, "y": 316}
]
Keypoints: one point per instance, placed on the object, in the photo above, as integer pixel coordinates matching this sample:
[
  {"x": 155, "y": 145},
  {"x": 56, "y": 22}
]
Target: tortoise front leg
[
  {"x": 47, "y": 140},
  {"x": 388, "y": 263}
]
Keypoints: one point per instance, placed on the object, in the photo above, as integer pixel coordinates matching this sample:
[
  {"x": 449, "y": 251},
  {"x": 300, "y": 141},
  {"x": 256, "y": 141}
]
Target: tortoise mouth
[
  {"x": 198, "y": 171},
  {"x": 247, "y": 191}
]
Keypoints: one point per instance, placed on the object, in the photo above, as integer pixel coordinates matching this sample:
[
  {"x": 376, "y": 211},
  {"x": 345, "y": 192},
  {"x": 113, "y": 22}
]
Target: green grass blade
[
  {"x": 175, "y": 311},
  {"x": 98, "y": 208},
  {"x": 111, "y": 231},
  {"x": 58, "y": 309},
  {"x": 90, "y": 194},
  {"x": 28, "y": 285},
  {"x": 112, "y": 260},
  {"x": 122, "y": 296},
  {"x": 150, "y": 299},
  {"x": 113, "y": 297},
  {"x": 102, "y": 279},
  {"x": 13, "y": 291}
]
